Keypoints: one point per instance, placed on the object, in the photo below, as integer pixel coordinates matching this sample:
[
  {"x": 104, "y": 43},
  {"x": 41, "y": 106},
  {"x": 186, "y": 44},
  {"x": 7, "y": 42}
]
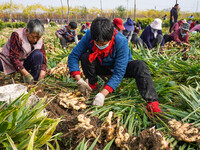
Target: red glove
[{"x": 153, "y": 106}]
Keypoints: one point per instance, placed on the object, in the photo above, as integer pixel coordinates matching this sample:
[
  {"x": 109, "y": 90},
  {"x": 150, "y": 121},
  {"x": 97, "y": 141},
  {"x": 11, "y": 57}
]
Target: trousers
[
  {"x": 135, "y": 69},
  {"x": 157, "y": 41}
]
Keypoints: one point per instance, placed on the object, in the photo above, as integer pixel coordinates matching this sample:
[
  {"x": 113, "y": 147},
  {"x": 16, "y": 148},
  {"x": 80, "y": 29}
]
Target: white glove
[
  {"x": 99, "y": 99},
  {"x": 82, "y": 85}
]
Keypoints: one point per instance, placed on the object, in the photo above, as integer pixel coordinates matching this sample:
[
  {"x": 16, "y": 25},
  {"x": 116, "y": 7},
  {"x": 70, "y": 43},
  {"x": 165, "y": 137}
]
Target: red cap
[
  {"x": 88, "y": 24},
  {"x": 118, "y": 22}
]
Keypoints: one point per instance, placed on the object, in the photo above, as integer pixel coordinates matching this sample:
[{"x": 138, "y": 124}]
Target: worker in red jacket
[{"x": 180, "y": 36}]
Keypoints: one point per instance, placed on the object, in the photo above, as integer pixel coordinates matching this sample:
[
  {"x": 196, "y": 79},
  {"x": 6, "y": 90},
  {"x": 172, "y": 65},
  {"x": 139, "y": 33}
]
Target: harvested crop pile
[
  {"x": 184, "y": 131},
  {"x": 73, "y": 100},
  {"x": 60, "y": 70},
  {"x": 91, "y": 127},
  {"x": 150, "y": 139}
]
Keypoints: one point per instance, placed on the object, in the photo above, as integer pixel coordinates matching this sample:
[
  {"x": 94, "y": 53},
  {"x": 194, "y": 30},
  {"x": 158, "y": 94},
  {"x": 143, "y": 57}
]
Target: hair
[
  {"x": 35, "y": 26},
  {"x": 101, "y": 29},
  {"x": 73, "y": 25},
  {"x": 176, "y": 5}
]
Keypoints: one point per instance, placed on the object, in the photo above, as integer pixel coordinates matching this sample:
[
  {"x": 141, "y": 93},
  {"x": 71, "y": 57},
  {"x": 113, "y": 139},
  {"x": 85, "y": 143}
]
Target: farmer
[
  {"x": 129, "y": 29},
  {"x": 151, "y": 36},
  {"x": 85, "y": 27},
  {"x": 173, "y": 16},
  {"x": 105, "y": 51},
  {"x": 24, "y": 52},
  {"x": 177, "y": 25},
  {"x": 196, "y": 28},
  {"x": 180, "y": 36},
  {"x": 192, "y": 25},
  {"x": 67, "y": 34},
  {"x": 118, "y": 24}
]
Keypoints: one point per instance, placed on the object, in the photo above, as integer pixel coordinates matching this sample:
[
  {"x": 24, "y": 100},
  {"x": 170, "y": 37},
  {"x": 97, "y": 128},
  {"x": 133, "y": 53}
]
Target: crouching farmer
[
  {"x": 105, "y": 51},
  {"x": 24, "y": 52}
]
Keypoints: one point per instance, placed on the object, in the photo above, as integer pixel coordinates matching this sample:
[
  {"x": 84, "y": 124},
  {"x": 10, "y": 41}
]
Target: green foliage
[
  {"x": 24, "y": 127},
  {"x": 1, "y": 25},
  {"x": 145, "y": 21},
  {"x": 121, "y": 10},
  {"x": 14, "y": 25},
  {"x": 53, "y": 24}
]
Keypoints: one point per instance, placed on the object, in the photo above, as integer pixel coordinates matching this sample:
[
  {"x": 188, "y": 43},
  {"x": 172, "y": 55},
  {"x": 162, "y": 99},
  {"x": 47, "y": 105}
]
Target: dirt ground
[{"x": 71, "y": 135}]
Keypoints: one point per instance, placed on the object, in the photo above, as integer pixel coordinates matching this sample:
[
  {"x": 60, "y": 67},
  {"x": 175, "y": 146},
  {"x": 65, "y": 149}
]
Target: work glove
[
  {"x": 83, "y": 87},
  {"x": 99, "y": 99},
  {"x": 172, "y": 20},
  {"x": 60, "y": 36},
  {"x": 153, "y": 107},
  {"x": 28, "y": 79}
]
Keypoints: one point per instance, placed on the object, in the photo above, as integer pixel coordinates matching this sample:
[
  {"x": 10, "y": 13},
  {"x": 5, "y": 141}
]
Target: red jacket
[{"x": 176, "y": 35}]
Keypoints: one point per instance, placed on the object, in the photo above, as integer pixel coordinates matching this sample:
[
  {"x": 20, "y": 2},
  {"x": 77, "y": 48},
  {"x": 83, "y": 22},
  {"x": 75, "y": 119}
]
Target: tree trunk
[
  {"x": 68, "y": 11},
  {"x": 61, "y": 12},
  {"x": 134, "y": 9}
]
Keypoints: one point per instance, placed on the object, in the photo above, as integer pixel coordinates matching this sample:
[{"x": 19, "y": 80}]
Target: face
[
  {"x": 184, "y": 31},
  {"x": 177, "y": 7},
  {"x": 33, "y": 38},
  {"x": 70, "y": 28},
  {"x": 101, "y": 43}
]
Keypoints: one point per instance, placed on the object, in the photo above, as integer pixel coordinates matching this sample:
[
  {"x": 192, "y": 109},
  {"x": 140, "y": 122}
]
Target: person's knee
[
  {"x": 141, "y": 64},
  {"x": 160, "y": 37},
  {"x": 38, "y": 56}
]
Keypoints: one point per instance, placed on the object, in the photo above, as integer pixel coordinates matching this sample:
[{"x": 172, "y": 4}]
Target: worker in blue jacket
[
  {"x": 151, "y": 36},
  {"x": 105, "y": 51}
]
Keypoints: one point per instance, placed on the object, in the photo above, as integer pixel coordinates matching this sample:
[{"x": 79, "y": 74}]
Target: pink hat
[{"x": 119, "y": 23}]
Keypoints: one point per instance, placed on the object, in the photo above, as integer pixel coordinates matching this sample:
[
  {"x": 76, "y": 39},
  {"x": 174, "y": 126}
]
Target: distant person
[
  {"x": 85, "y": 27},
  {"x": 24, "y": 52},
  {"x": 196, "y": 28},
  {"x": 151, "y": 36},
  {"x": 164, "y": 17},
  {"x": 173, "y": 16},
  {"x": 136, "y": 32},
  {"x": 118, "y": 24},
  {"x": 67, "y": 34},
  {"x": 192, "y": 25},
  {"x": 180, "y": 36},
  {"x": 129, "y": 29},
  {"x": 177, "y": 25}
]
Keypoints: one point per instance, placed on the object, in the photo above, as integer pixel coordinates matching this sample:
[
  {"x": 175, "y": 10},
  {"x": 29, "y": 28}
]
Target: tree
[{"x": 121, "y": 10}]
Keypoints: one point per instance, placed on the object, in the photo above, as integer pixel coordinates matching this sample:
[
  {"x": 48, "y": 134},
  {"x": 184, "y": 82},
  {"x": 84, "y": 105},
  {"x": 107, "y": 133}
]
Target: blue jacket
[
  {"x": 117, "y": 62},
  {"x": 147, "y": 36}
]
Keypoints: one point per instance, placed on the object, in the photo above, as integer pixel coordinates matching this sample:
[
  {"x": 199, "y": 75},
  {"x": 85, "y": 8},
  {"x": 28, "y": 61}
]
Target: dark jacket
[
  {"x": 147, "y": 36},
  {"x": 117, "y": 62},
  {"x": 174, "y": 13}
]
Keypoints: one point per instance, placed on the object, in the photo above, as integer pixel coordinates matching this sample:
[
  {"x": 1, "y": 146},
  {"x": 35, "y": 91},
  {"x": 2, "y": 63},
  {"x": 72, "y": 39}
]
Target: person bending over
[
  {"x": 105, "y": 51},
  {"x": 24, "y": 52}
]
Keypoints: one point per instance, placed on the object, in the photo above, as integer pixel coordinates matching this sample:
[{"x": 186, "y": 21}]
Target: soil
[{"x": 72, "y": 136}]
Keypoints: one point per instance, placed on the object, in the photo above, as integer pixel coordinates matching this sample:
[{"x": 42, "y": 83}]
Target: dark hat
[{"x": 129, "y": 25}]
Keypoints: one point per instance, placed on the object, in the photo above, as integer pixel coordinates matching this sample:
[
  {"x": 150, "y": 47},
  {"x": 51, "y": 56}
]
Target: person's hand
[
  {"x": 98, "y": 99},
  {"x": 42, "y": 75},
  {"x": 83, "y": 86},
  {"x": 28, "y": 79},
  {"x": 172, "y": 20}
]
